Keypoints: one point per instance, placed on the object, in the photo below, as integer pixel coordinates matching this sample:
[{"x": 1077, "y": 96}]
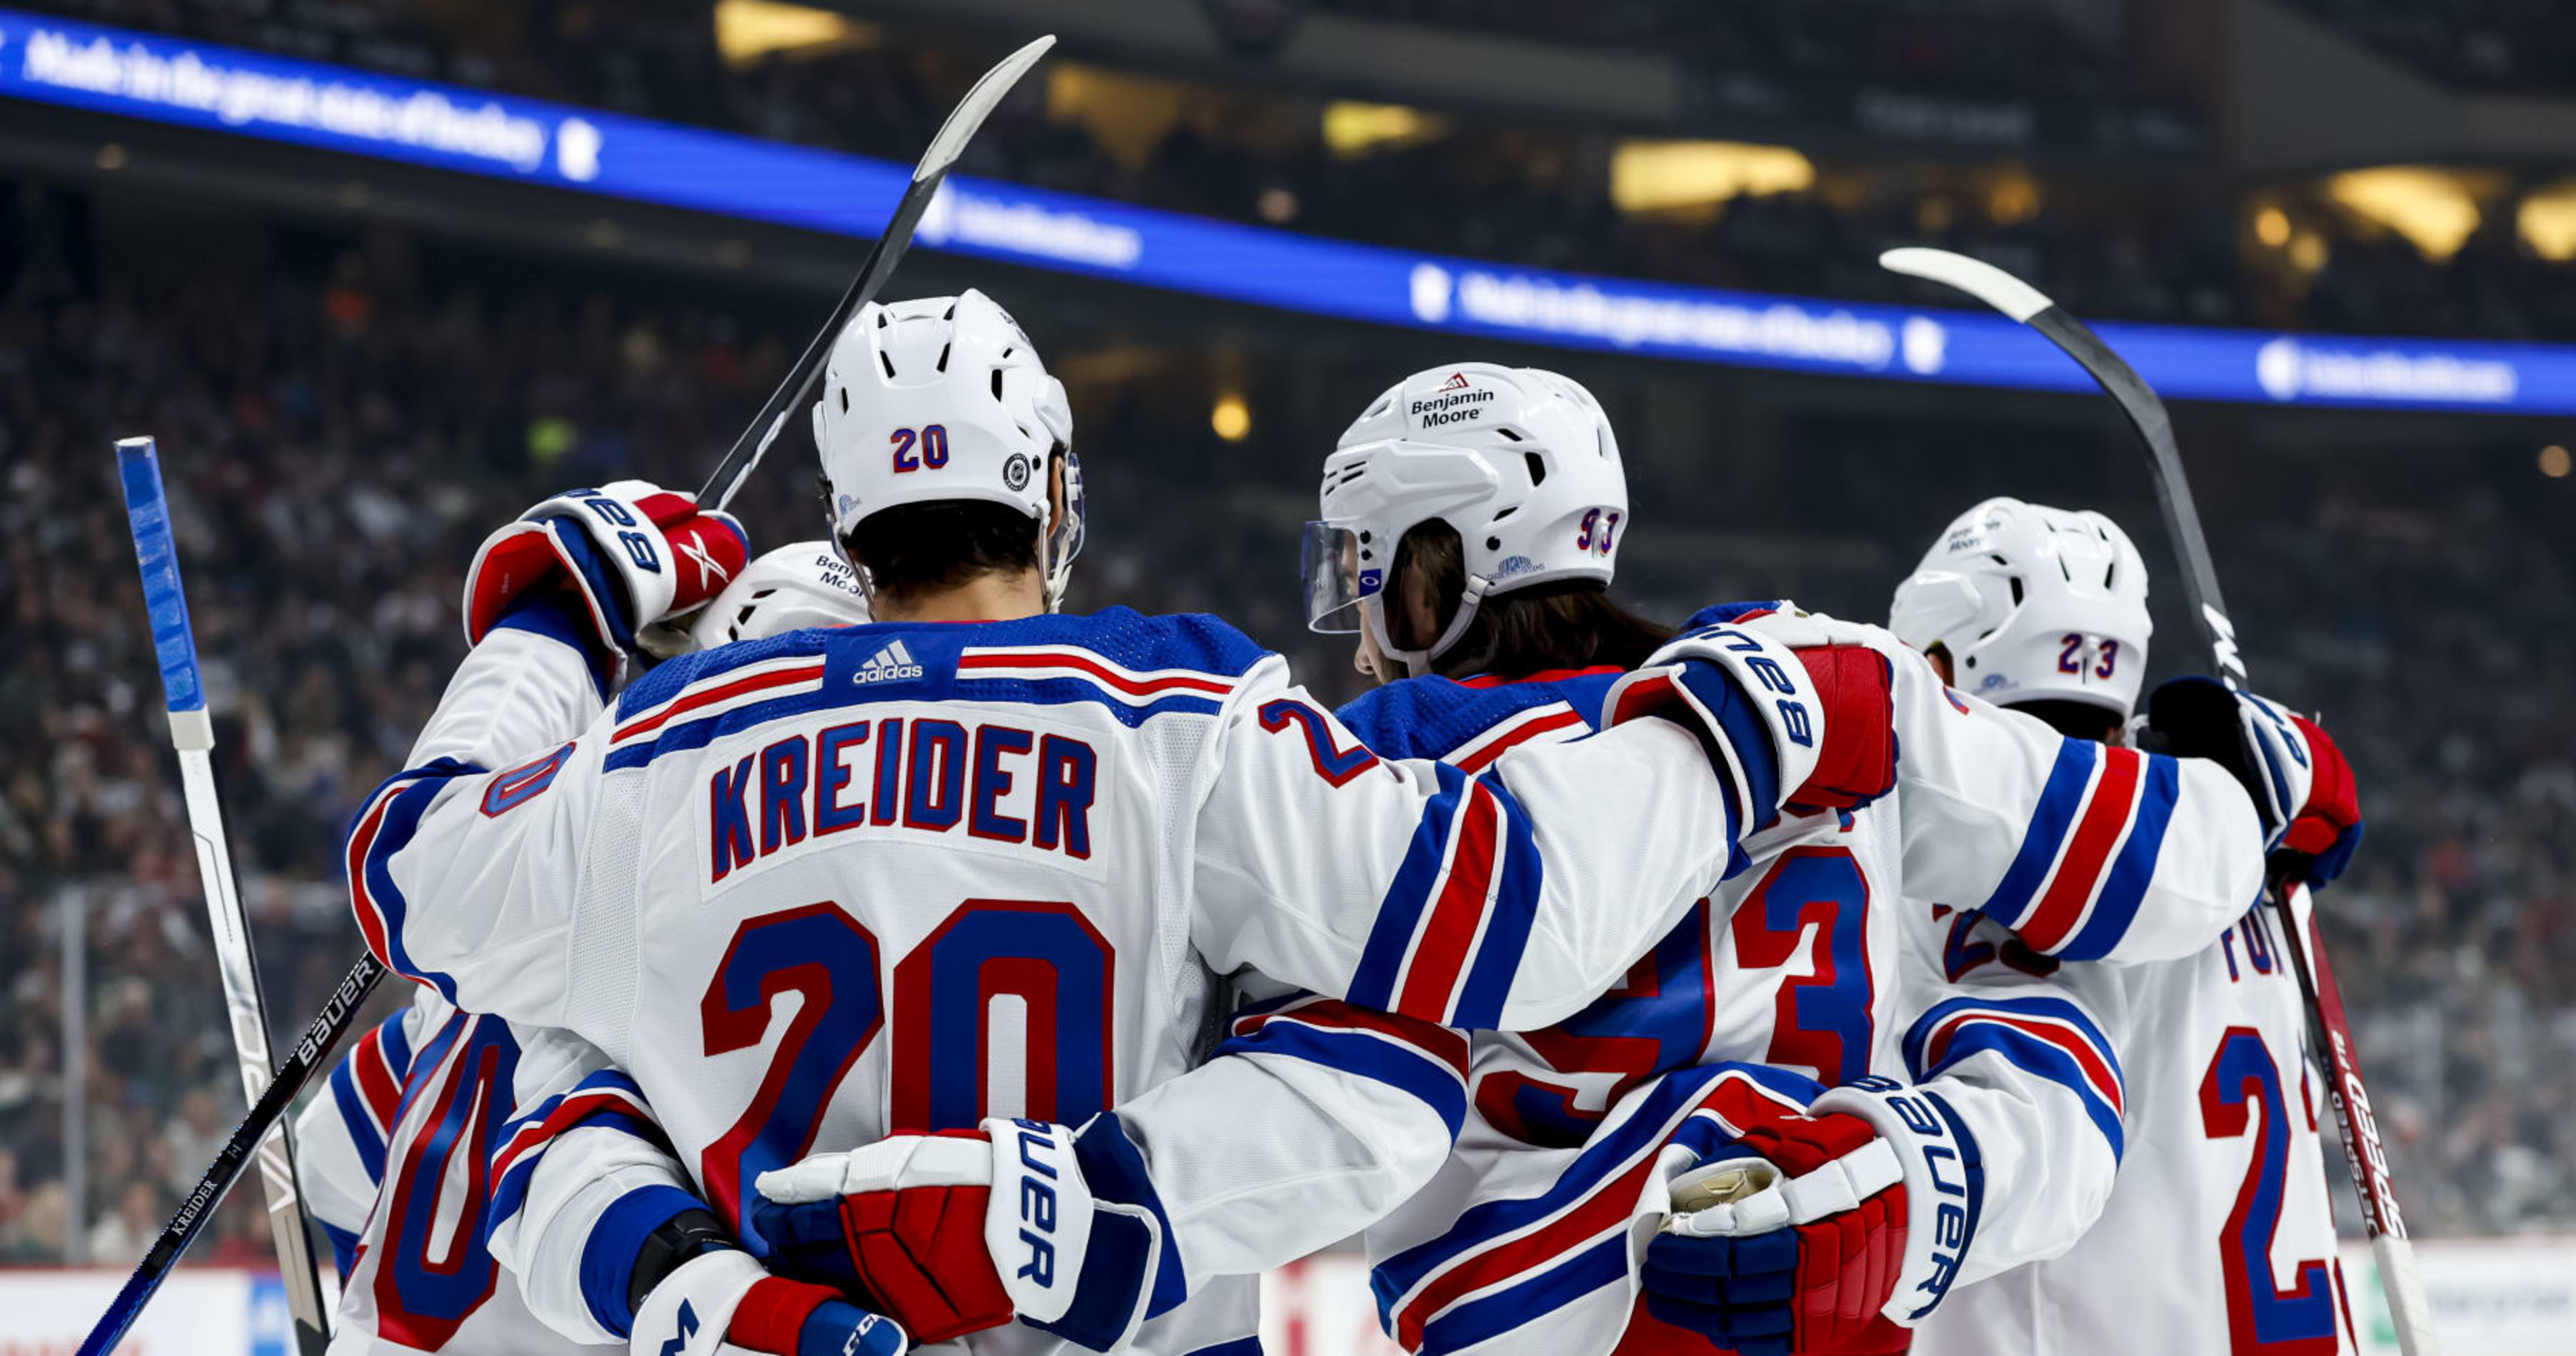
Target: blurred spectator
[
  {"x": 2163, "y": 244},
  {"x": 119, "y": 1239},
  {"x": 342, "y": 423}
]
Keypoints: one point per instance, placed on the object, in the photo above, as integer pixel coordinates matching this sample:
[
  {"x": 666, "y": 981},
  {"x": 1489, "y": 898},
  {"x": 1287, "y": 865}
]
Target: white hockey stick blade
[
  {"x": 2408, "y": 1311},
  {"x": 1975, "y": 277},
  {"x": 972, "y": 110}
]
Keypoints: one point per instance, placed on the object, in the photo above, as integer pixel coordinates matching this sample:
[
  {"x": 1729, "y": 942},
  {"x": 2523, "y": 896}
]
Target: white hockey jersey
[
  {"x": 811, "y": 890},
  {"x": 393, "y": 1159},
  {"x": 2219, "y": 1236},
  {"x": 1802, "y": 961}
]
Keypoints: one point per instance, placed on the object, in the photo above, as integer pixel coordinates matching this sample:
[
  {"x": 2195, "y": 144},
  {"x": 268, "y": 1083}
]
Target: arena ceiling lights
[{"x": 215, "y": 88}]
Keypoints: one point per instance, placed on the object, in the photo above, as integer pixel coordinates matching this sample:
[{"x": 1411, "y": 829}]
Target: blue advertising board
[{"x": 204, "y": 85}]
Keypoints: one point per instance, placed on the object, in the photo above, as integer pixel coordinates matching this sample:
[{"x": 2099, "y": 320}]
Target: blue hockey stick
[{"x": 192, "y": 733}]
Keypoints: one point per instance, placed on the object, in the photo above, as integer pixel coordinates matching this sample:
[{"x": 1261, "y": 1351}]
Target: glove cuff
[
  {"x": 1077, "y": 1231},
  {"x": 690, "y": 1311},
  {"x": 1037, "y": 1221},
  {"x": 1747, "y": 698},
  {"x": 1945, "y": 1185},
  {"x": 772, "y": 1314}
]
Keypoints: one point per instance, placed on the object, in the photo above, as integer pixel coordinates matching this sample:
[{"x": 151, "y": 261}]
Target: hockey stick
[
  {"x": 311, "y": 1050},
  {"x": 2328, "y": 1030},
  {"x": 963, "y": 121},
  {"x": 192, "y": 733}
]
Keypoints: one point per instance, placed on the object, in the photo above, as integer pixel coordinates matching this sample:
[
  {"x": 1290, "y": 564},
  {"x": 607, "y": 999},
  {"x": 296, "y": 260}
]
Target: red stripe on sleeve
[
  {"x": 574, "y": 1109},
  {"x": 2115, "y": 794},
  {"x": 1441, "y": 954},
  {"x": 1481, "y": 758},
  {"x": 371, "y": 922},
  {"x": 1439, "y": 1042},
  {"x": 375, "y": 1082},
  {"x": 2097, "y": 1071},
  {"x": 1141, "y": 687},
  {"x": 710, "y": 696},
  {"x": 1599, "y": 1210}
]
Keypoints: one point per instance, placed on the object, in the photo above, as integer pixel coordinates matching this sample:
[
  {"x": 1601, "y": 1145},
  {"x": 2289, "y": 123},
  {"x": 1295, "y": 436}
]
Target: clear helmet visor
[{"x": 1333, "y": 578}]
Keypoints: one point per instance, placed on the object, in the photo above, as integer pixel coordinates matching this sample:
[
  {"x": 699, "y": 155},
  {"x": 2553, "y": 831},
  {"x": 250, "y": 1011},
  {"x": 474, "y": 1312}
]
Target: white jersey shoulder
[{"x": 996, "y": 869}]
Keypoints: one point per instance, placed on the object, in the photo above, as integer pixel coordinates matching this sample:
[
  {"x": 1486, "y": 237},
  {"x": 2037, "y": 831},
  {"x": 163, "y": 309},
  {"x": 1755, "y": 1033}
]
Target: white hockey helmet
[
  {"x": 1519, "y": 460},
  {"x": 798, "y": 585},
  {"x": 941, "y": 399},
  {"x": 2032, "y": 602}
]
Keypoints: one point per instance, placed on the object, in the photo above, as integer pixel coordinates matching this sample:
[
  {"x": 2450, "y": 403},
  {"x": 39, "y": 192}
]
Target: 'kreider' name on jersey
[{"x": 997, "y": 782}]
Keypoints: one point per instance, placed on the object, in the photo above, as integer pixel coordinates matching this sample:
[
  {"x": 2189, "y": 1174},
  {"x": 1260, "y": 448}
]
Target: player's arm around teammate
[{"x": 463, "y": 876}]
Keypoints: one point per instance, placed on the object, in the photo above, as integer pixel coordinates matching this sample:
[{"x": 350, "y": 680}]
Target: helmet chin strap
[{"x": 1418, "y": 663}]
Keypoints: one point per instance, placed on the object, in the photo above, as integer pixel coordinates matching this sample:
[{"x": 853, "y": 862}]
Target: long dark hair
[{"x": 1573, "y": 624}]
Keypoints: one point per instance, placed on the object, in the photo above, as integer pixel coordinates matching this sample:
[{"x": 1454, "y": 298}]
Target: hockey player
[
  {"x": 394, "y": 1161},
  {"x": 1045, "y": 836},
  {"x": 2219, "y": 1236},
  {"x": 1471, "y": 520}
]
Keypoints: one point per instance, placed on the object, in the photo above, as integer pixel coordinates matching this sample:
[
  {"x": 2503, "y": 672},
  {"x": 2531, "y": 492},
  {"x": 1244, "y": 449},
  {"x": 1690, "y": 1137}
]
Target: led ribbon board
[{"x": 224, "y": 89}]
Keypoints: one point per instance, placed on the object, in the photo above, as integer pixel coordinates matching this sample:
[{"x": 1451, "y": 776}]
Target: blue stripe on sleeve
[
  {"x": 362, "y": 1130},
  {"x": 1378, "y": 1058},
  {"x": 511, "y": 1191},
  {"x": 2125, "y": 887},
  {"x": 1491, "y": 1315},
  {"x": 1600, "y": 1159},
  {"x": 1400, "y": 913},
  {"x": 400, "y": 825},
  {"x": 608, "y": 1255},
  {"x": 2059, "y": 799},
  {"x": 552, "y": 616},
  {"x": 1507, "y": 928},
  {"x": 2048, "y": 1060},
  {"x": 396, "y": 1043}
]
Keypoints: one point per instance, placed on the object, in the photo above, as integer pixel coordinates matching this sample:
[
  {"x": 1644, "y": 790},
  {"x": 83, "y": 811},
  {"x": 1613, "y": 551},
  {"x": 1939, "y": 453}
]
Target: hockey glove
[
  {"x": 2301, "y": 785},
  {"x": 961, "y": 1231},
  {"x": 629, "y": 554},
  {"x": 724, "y": 1303},
  {"x": 1793, "y": 715},
  {"x": 1795, "y": 1248}
]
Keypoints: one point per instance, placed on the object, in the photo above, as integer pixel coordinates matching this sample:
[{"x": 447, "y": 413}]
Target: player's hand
[
  {"x": 724, "y": 1303},
  {"x": 1796, "y": 1247},
  {"x": 1857, "y": 684},
  {"x": 2301, "y": 785},
  {"x": 960, "y": 1231},
  {"x": 1808, "y": 691},
  {"x": 624, "y": 555}
]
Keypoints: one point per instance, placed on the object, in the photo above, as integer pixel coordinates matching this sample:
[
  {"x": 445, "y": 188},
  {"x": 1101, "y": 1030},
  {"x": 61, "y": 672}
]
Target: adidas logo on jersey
[{"x": 891, "y": 664}]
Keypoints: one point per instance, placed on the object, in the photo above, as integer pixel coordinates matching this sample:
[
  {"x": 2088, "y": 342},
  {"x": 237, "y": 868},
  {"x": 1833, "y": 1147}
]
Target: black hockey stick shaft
[
  {"x": 747, "y": 450},
  {"x": 2329, "y": 1030},
  {"x": 311, "y": 1050},
  {"x": 236, "y": 964}
]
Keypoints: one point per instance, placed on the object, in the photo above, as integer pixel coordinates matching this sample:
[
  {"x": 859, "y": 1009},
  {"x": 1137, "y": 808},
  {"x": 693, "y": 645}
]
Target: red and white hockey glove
[
  {"x": 724, "y": 1303},
  {"x": 627, "y": 554},
  {"x": 964, "y": 1230},
  {"x": 1794, "y": 714},
  {"x": 1848, "y": 1224},
  {"x": 2301, "y": 785}
]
